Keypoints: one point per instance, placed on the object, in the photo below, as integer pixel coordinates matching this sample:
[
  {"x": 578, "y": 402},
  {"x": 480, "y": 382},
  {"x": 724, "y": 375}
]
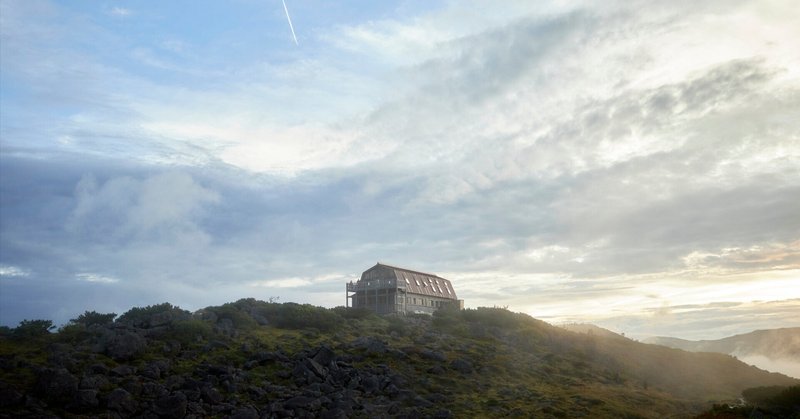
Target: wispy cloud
[
  {"x": 13, "y": 271},
  {"x": 120, "y": 12},
  {"x": 92, "y": 277}
]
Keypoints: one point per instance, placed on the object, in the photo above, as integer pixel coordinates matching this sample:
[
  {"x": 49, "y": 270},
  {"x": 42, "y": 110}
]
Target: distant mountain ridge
[
  {"x": 772, "y": 343},
  {"x": 775, "y": 350}
]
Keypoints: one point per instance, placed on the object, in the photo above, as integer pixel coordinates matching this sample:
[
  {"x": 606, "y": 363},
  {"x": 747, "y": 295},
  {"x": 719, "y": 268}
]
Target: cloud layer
[{"x": 574, "y": 161}]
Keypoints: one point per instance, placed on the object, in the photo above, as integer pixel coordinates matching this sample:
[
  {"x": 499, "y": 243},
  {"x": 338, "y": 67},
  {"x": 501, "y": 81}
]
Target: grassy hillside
[{"x": 254, "y": 359}]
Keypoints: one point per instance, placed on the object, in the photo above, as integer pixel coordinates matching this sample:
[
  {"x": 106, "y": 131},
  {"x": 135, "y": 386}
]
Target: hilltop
[{"x": 252, "y": 359}]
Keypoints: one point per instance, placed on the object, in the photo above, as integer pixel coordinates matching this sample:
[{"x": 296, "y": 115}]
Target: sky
[{"x": 634, "y": 164}]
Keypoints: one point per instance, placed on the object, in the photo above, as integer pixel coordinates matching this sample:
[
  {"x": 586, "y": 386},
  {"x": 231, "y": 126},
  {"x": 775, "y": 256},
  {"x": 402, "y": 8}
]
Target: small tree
[
  {"x": 92, "y": 317},
  {"x": 33, "y": 328}
]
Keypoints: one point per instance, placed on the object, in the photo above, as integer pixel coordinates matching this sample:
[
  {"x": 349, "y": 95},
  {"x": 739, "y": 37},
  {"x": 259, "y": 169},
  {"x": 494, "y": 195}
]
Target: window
[
  {"x": 407, "y": 281},
  {"x": 415, "y": 301},
  {"x": 417, "y": 281}
]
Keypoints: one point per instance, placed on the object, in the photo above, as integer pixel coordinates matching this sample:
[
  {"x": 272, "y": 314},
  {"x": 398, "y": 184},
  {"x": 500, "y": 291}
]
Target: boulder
[
  {"x": 85, "y": 399},
  {"x": 10, "y": 397},
  {"x": 56, "y": 384},
  {"x": 119, "y": 400},
  {"x": 325, "y": 356},
  {"x": 210, "y": 395},
  {"x": 248, "y": 412},
  {"x": 433, "y": 355},
  {"x": 125, "y": 345},
  {"x": 122, "y": 370},
  {"x": 171, "y": 406},
  {"x": 94, "y": 382},
  {"x": 370, "y": 343},
  {"x": 461, "y": 365}
]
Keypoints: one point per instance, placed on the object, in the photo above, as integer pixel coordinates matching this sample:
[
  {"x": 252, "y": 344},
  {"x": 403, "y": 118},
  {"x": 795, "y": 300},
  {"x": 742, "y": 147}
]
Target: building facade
[{"x": 387, "y": 289}]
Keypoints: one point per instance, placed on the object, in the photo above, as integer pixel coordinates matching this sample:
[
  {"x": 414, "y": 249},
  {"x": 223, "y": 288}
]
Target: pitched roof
[
  {"x": 422, "y": 283},
  {"x": 397, "y": 268}
]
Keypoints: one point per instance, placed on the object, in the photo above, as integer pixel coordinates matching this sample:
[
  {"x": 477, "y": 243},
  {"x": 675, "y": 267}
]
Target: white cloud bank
[{"x": 567, "y": 159}]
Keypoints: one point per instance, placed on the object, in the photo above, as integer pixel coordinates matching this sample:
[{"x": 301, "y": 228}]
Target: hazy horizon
[{"x": 635, "y": 165}]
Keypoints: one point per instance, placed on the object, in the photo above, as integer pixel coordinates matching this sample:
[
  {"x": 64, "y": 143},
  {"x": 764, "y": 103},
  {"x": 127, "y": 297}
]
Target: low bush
[
  {"x": 33, "y": 328},
  {"x": 73, "y": 333},
  {"x": 304, "y": 316},
  {"x": 236, "y": 313},
  {"x": 189, "y": 332},
  {"x": 353, "y": 313},
  {"x": 142, "y": 316},
  {"x": 90, "y": 318}
]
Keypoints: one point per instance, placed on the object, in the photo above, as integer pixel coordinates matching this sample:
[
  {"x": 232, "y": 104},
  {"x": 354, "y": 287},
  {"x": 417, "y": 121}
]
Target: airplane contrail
[{"x": 290, "y": 22}]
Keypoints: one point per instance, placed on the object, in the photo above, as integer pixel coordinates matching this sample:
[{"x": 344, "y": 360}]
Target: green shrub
[
  {"x": 190, "y": 331},
  {"x": 73, "y": 333},
  {"x": 141, "y": 316},
  {"x": 90, "y": 318},
  {"x": 397, "y": 325},
  {"x": 236, "y": 313},
  {"x": 297, "y": 316},
  {"x": 33, "y": 328},
  {"x": 774, "y": 397},
  {"x": 352, "y": 312}
]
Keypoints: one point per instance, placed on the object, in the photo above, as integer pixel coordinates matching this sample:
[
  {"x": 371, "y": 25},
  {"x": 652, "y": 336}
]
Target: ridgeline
[{"x": 256, "y": 359}]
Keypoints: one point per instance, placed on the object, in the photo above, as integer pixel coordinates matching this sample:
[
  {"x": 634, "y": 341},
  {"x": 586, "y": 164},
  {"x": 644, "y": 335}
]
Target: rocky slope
[{"x": 253, "y": 359}]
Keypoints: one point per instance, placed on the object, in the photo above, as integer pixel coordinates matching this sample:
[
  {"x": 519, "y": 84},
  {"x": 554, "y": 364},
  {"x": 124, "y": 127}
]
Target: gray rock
[
  {"x": 245, "y": 413},
  {"x": 433, "y": 355},
  {"x": 315, "y": 367},
  {"x": 211, "y": 395},
  {"x": 123, "y": 370},
  {"x": 98, "y": 368},
  {"x": 150, "y": 371},
  {"x": 325, "y": 356},
  {"x": 335, "y": 413},
  {"x": 133, "y": 386},
  {"x": 443, "y": 414},
  {"x": 121, "y": 401},
  {"x": 86, "y": 399},
  {"x": 461, "y": 365},
  {"x": 301, "y": 402},
  {"x": 171, "y": 406},
  {"x": 422, "y": 402},
  {"x": 370, "y": 343},
  {"x": 370, "y": 384},
  {"x": 125, "y": 345},
  {"x": 436, "y": 370},
  {"x": 56, "y": 384},
  {"x": 174, "y": 382},
  {"x": 9, "y": 396},
  {"x": 302, "y": 375},
  {"x": 153, "y": 390},
  {"x": 94, "y": 382}
]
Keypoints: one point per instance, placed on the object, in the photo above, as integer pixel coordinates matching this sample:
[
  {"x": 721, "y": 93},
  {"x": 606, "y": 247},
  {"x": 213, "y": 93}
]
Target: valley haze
[{"x": 633, "y": 164}]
